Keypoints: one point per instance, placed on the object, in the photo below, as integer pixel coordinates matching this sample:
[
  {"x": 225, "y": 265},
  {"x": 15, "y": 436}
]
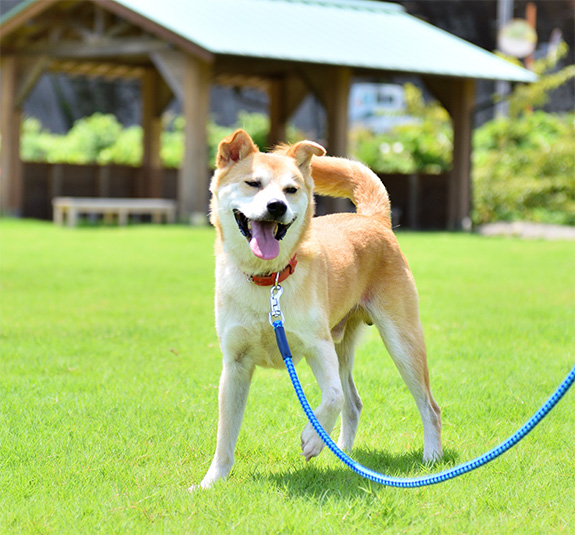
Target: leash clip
[{"x": 276, "y": 312}]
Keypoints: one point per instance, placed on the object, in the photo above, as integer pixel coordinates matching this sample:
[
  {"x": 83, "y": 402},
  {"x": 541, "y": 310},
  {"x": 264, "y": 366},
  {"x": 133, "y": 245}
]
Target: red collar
[{"x": 272, "y": 278}]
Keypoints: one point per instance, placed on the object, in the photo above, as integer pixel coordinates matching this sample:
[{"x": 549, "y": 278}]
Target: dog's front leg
[
  {"x": 324, "y": 364},
  {"x": 233, "y": 394}
]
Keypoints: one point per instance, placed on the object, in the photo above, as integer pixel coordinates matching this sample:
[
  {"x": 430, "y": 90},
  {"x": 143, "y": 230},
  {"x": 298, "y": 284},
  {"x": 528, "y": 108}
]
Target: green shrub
[
  {"x": 126, "y": 150},
  {"x": 36, "y": 143},
  {"x": 172, "y": 144},
  {"x": 84, "y": 143},
  {"x": 524, "y": 169}
]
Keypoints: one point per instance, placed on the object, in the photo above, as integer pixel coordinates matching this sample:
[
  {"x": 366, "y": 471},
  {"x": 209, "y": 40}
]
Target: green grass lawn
[{"x": 108, "y": 394}]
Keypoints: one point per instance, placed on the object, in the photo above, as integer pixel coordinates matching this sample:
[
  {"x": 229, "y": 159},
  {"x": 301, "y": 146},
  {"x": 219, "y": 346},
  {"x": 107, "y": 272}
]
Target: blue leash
[{"x": 276, "y": 319}]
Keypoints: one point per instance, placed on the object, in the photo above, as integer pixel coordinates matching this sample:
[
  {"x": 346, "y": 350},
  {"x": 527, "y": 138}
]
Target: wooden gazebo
[{"x": 289, "y": 48}]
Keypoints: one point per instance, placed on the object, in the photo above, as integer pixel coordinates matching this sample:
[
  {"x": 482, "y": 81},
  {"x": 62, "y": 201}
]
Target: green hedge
[{"x": 101, "y": 139}]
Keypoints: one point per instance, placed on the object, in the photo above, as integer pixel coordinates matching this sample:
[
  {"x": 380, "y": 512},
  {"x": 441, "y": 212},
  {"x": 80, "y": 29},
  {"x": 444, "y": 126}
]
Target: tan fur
[
  {"x": 337, "y": 177},
  {"x": 350, "y": 272}
]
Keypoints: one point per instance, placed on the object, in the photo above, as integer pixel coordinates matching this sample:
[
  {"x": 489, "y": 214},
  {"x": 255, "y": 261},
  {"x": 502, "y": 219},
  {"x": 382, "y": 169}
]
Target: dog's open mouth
[{"x": 263, "y": 236}]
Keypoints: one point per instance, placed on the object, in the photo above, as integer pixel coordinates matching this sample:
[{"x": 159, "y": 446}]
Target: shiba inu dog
[{"x": 339, "y": 272}]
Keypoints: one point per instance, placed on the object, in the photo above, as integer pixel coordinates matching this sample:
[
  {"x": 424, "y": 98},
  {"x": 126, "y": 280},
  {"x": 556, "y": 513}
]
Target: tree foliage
[{"x": 526, "y": 97}]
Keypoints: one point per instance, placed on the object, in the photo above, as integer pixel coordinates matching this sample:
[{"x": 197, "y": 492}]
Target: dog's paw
[
  {"x": 432, "y": 455},
  {"x": 311, "y": 443},
  {"x": 204, "y": 485},
  {"x": 210, "y": 479}
]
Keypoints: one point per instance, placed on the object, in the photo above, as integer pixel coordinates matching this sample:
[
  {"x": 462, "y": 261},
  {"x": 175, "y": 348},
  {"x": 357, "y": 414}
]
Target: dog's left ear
[
  {"x": 234, "y": 148},
  {"x": 303, "y": 151}
]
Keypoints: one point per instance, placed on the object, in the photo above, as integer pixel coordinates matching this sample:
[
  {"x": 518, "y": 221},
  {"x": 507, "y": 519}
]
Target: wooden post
[
  {"x": 337, "y": 102},
  {"x": 11, "y": 177},
  {"x": 286, "y": 93},
  {"x": 457, "y": 95},
  {"x": 277, "y": 112},
  {"x": 193, "y": 178},
  {"x": 150, "y": 184},
  {"x": 459, "y": 196}
]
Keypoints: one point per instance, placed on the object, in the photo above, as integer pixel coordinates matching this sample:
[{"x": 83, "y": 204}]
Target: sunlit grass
[{"x": 108, "y": 393}]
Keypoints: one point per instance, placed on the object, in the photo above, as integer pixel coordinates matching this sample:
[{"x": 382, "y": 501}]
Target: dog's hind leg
[
  {"x": 397, "y": 320},
  {"x": 352, "y": 404},
  {"x": 323, "y": 362},
  {"x": 232, "y": 397}
]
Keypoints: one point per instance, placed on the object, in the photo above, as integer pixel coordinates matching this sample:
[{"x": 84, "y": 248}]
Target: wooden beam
[
  {"x": 96, "y": 69},
  {"x": 104, "y": 47},
  {"x": 295, "y": 93},
  {"x": 331, "y": 85},
  {"x": 164, "y": 94},
  {"x": 10, "y": 119},
  {"x": 30, "y": 78},
  {"x": 193, "y": 178},
  {"x": 239, "y": 80},
  {"x": 317, "y": 80},
  {"x": 285, "y": 94},
  {"x": 171, "y": 65}
]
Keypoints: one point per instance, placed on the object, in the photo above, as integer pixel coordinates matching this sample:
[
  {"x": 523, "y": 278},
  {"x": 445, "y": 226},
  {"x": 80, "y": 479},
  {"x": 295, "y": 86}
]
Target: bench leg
[
  {"x": 122, "y": 217},
  {"x": 72, "y": 217}
]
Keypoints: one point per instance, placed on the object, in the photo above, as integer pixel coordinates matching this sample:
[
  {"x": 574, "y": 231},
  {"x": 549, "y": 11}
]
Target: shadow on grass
[{"x": 312, "y": 481}]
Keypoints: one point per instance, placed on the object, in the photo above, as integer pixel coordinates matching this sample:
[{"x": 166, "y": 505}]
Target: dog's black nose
[{"x": 277, "y": 208}]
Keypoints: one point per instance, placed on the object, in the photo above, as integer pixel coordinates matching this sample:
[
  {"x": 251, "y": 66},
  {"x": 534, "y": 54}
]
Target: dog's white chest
[{"x": 256, "y": 343}]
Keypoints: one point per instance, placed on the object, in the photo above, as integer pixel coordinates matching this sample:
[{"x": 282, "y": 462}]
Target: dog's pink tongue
[{"x": 263, "y": 243}]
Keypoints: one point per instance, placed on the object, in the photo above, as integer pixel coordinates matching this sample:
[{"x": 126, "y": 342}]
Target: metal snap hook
[{"x": 275, "y": 294}]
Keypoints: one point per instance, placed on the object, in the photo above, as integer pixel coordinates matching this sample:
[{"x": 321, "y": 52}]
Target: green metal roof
[{"x": 354, "y": 33}]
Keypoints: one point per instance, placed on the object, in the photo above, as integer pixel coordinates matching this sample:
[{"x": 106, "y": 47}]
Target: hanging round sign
[{"x": 517, "y": 38}]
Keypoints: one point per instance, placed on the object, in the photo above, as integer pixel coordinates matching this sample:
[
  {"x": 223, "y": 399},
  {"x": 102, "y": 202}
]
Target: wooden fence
[
  {"x": 43, "y": 182},
  {"x": 418, "y": 201}
]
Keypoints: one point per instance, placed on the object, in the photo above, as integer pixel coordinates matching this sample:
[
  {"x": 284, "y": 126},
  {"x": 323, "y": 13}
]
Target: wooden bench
[{"x": 70, "y": 208}]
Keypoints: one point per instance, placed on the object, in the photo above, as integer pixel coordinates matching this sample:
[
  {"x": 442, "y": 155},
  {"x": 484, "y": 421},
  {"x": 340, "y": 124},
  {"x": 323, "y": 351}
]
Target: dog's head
[{"x": 262, "y": 203}]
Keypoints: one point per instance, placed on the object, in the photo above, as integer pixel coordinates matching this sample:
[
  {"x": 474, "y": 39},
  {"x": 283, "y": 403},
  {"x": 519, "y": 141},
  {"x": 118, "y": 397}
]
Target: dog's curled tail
[{"x": 339, "y": 177}]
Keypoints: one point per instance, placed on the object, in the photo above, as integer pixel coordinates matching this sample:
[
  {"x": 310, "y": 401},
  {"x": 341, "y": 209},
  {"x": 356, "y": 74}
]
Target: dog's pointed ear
[
  {"x": 303, "y": 151},
  {"x": 234, "y": 148}
]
